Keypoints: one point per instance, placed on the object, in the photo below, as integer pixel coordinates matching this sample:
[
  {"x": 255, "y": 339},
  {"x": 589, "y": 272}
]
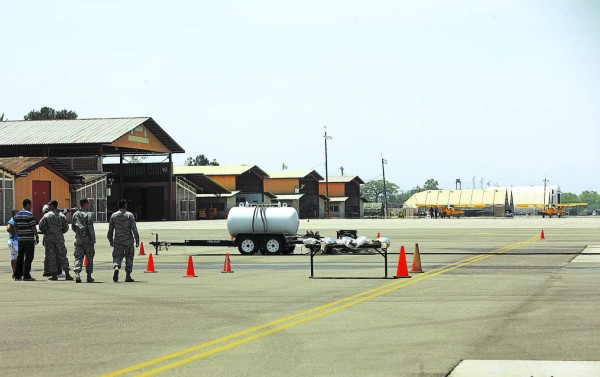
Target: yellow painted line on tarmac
[{"x": 255, "y": 333}]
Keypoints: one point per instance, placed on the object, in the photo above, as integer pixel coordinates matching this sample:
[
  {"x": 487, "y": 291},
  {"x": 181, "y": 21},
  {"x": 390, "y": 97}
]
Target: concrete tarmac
[{"x": 525, "y": 301}]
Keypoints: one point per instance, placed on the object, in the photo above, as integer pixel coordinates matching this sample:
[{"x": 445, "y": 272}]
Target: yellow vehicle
[
  {"x": 451, "y": 211},
  {"x": 553, "y": 209}
]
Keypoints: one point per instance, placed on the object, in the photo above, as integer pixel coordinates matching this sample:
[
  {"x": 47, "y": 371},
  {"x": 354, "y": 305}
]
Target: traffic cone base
[
  {"x": 142, "y": 252},
  {"x": 378, "y": 235},
  {"x": 190, "y": 269},
  {"x": 227, "y": 265},
  {"x": 416, "y": 263},
  {"x": 402, "y": 271},
  {"x": 150, "y": 268}
]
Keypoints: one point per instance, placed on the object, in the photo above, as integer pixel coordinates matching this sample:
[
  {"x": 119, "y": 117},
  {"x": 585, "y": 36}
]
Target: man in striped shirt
[{"x": 28, "y": 238}]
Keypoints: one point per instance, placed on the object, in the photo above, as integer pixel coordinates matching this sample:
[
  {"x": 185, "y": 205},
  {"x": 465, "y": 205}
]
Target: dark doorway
[
  {"x": 146, "y": 203},
  {"x": 40, "y": 196}
]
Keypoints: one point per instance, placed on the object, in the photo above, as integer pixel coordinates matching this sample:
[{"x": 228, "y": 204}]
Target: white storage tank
[{"x": 261, "y": 220}]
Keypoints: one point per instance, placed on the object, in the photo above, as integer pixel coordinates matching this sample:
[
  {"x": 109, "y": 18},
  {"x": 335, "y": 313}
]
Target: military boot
[
  {"x": 116, "y": 274},
  {"x": 77, "y": 277},
  {"x": 53, "y": 277},
  {"x": 68, "y": 276},
  {"x": 90, "y": 279},
  {"x": 128, "y": 278}
]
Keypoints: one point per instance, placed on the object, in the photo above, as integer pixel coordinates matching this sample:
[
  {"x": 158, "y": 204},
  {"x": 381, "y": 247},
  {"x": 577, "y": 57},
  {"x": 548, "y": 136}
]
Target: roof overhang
[
  {"x": 229, "y": 195},
  {"x": 289, "y": 197},
  {"x": 204, "y": 184},
  {"x": 339, "y": 199}
]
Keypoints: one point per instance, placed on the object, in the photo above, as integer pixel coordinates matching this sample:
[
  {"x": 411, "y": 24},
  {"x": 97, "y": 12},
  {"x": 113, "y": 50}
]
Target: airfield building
[
  {"x": 344, "y": 199},
  {"x": 76, "y": 153},
  {"x": 242, "y": 183},
  {"x": 489, "y": 202},
  {"x": 298, "y": 189}
]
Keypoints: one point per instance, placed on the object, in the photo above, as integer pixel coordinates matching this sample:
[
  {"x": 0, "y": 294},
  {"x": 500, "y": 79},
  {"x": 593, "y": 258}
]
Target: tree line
[
  {"x": 374, "y": 192},
  {"x": 592, "y": 198}
]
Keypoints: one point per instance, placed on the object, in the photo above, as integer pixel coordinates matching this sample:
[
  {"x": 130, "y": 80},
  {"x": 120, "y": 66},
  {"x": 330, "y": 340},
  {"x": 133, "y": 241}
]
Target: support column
[
  {"x": 172, "y": 210},
  {"x": 121, "y": 177}
]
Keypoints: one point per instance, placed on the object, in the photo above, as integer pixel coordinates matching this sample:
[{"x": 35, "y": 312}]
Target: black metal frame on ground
[{"x": 359, "y": 251}]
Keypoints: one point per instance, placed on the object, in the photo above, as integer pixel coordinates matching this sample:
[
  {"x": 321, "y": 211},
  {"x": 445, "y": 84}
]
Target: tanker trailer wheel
[
  {"x": 272, "y": 246},
  {"x": 248, "y": 245}
]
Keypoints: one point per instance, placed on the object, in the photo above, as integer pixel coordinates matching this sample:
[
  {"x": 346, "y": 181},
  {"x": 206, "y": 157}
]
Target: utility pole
[
  {"x": 473, "y": 183},
  {"x": 342, "y": 170},
  {"x": 458, "y": 184},
  {"x": 284, "y": 166},
  {"x": 481, "y": 183},
  {"x": 385, "y": 206},
  {"x": 326, "y": 171},
  {"x": 545, "y": 183}
]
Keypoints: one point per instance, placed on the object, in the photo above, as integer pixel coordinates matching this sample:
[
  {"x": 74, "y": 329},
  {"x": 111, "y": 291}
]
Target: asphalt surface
[{"x": 525, "y": 301}]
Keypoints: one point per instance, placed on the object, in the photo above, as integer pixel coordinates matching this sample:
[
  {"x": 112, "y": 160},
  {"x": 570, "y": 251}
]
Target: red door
[{"x": 40, "y": 196}]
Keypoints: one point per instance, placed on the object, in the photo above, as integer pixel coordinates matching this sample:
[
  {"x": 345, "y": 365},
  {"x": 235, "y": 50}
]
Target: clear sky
[{"x": 505, "y": 91}]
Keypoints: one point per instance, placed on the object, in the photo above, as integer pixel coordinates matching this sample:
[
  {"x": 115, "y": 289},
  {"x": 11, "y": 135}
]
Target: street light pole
[
  {"x": 327, "y": 172},
  {"x": 545, "y": 183},
  {"x": 385, "y": 206}
]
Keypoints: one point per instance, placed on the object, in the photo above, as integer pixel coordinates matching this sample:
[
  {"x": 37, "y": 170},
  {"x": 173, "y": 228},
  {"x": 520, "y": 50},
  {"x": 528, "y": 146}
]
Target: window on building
[{"x": 183, "y": 205}]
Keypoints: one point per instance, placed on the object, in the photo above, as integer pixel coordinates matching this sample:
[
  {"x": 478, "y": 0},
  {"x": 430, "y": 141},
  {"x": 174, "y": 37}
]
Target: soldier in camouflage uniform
[
  {"x": 122, "y": 227},
  {"x": 54, "y": 225},
  {"x": 85, "y": 238}
]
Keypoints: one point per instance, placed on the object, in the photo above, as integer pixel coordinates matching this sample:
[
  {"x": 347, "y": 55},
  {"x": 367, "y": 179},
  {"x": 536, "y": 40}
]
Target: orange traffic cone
[
  {"x": 402, "y": 271},
  {"x": 542, "y": 236},
  {"x": 190, "y": 269},
  {"x": 416, "y": 263},
  {"x": 150, "y": 268},
  {"x": 142, "y": 249},
  {"x": 227, "y": 265},
  {"x": 378, "y": 235},
  {"x": 84, "y": 260}
]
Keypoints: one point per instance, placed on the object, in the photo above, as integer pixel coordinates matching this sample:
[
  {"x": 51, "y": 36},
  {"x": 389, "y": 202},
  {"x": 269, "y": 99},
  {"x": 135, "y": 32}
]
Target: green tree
[
  {"x": 592, "y": 198},
  {"x": 48, "y": 113},
  {"x": 569, "y": 197},
  {"x": 431, "y": 184},
  {"x": 400, "y": 198},
  {"x": 373, "y": 190},
  {"x": 200, "y": 160},
  {"x": 2, "y": 117}
]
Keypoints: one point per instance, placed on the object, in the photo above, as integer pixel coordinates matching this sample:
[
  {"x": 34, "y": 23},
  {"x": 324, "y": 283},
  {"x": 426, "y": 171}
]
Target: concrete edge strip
[{"x": 519, "y": 368}]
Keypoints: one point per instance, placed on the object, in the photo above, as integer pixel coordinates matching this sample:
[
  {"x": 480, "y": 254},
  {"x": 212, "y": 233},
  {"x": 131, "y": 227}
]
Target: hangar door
[{"x": 146, "y": 203}]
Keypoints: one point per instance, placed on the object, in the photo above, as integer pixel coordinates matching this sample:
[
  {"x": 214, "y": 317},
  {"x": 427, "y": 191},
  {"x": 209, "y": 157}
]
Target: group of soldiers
[
  {"x": 54, "y": 225},
  {"x": 122, "y": 233}
]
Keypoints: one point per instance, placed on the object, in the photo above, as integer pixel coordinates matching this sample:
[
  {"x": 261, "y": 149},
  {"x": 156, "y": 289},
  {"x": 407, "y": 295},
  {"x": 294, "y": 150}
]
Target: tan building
[
  {"x": 33, "y": 178},
  {"x": 82, "y": 145},
  {"x": 298, "y": 189},
  {"x": 344, "y": 196},
  {"x": 243, "y": 183}
]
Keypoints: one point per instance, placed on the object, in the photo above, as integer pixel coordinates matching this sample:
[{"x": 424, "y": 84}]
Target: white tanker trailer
[{"x": 271, "y": 230}]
